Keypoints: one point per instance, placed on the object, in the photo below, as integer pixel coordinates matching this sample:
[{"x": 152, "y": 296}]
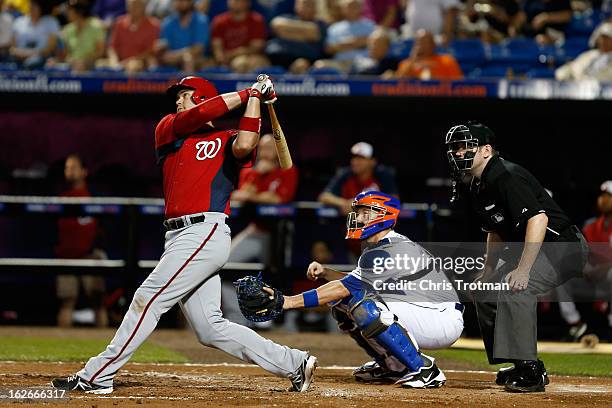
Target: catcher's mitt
[{"x": 255, "y": 303}]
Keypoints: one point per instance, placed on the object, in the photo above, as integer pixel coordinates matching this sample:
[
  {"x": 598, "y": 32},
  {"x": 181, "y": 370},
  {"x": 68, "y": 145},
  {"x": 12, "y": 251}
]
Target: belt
[
  {"x": 459, "y": 307},
  {"x": 184, "y": 221}
]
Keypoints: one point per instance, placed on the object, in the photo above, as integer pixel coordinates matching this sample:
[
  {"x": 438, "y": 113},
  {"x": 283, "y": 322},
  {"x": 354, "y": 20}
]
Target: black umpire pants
[{"x": 507, "y": 320}]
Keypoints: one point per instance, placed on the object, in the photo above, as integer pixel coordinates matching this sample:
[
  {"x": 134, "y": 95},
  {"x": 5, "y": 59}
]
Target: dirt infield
[{"x": 219, "y": 381}]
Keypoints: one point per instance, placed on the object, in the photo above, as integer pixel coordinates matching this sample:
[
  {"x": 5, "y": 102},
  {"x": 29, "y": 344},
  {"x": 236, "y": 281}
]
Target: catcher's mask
[
  {"x": 382, "y": 214},
  {"x": 202, "y": 89},
  {"x": 462, "y": 141}
]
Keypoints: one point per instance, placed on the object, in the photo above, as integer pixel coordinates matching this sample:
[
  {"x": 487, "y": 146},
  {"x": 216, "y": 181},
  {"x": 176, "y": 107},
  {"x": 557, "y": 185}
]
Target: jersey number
[{"x": 208, "y": 149}]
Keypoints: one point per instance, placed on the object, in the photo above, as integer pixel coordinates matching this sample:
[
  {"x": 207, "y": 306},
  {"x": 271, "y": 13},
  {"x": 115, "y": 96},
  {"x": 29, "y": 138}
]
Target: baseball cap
[
  {"x": 482, "y": 133},
  {"x": 362, "y": 149},
  {"x": 603, "y": 29},
  {"x": 606, "y": 187}
]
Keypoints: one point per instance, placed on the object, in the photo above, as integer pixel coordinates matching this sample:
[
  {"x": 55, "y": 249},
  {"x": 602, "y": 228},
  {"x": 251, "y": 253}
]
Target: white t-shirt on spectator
[
  {"x": 34, "y": 36},
  {"x": 427, "y": 14},
  {"x": 6, "y": 29}
]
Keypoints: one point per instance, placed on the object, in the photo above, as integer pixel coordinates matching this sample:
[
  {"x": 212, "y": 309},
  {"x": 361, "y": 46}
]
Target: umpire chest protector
[{"x": 507, "y": 196}]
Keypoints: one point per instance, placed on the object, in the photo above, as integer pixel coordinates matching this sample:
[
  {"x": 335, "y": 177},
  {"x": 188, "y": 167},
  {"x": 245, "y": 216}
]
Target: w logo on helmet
[{"x": 208, "y": 149}]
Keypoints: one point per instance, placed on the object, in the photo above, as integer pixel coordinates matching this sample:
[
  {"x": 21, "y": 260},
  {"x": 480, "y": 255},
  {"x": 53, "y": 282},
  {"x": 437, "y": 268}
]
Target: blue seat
[
  {"x": 325, "y": 71},
  {"x": 575, "y": 46},
  {"x": 164, "y": 70},
  {"x": 541, "y": 73},
  {"x": 215, "y": 70},
  {"x": 108, "y": 70},
  {"x": 498, "y": 71},
  {"x": 583, "y": 24},
  {"x": 468, "y": 51},
  {"x": 270, "y": 70},
  {"x": 62, "y": 69},
  {"x": 8, "y": 67},
  {"x": 522, "y": 50}
]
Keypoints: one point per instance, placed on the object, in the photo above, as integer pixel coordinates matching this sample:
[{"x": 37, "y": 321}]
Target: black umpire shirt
[{"x": 507, "y": 195}]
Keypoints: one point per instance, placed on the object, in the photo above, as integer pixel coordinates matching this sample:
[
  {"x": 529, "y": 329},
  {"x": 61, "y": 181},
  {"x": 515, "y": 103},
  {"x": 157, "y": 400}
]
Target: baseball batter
[
  {"x": 390, "y": 325},
  {"x": 200, "y": 166}
]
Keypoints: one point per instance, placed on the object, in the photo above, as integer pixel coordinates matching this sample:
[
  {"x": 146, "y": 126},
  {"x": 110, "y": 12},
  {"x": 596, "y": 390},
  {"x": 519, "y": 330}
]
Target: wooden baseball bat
[{"x": 284, "y": 156}]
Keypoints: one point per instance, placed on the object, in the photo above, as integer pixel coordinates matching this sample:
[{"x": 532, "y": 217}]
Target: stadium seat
[
  {"x": 469, "y": 51},
  {"x": 489, "y": 72},
  {"x": 522, "y": 50},
  {"x": 108, "y": 70},
  {"x": 541, "y": 73},
  {"x": 215, "y": 70},
  {"x": 8, "y": 66},
  {"x": 164, "y": 70},
  {"x": 63, "y": 69},
  {"x": 583, "y": 24},
  {"x": 271, "y": 70},
  {"x": 325, "y": 71},
  {"x": 574, "y": 46}
]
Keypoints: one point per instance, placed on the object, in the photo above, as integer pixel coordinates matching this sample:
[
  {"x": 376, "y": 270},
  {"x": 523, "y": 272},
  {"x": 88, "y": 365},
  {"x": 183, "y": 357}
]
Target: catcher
[{"x": 387, "y": 323}]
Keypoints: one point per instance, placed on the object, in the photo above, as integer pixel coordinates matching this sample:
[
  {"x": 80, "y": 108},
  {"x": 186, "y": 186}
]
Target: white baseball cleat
[
  {"x": 304, "y": 376},
  {"x": 428, "y": 376}
]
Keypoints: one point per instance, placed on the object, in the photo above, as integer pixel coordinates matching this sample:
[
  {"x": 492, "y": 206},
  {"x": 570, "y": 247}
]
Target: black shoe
[
  {"x": 304, "y": 376},
  {"x": 505, "y": 374},
  {"x": 428, "y": 376},
  {"x": 76, "y": 383},
  {"x": 528, "y": 376},
  {"x": 373, "y": 372}
]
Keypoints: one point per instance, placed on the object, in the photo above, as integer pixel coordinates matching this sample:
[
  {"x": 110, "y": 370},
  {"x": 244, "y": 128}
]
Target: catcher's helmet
[
  {"x": 202, "y": 88},
  {"x": 385, "y": 207},
  {"x": 465, "y": 138}
]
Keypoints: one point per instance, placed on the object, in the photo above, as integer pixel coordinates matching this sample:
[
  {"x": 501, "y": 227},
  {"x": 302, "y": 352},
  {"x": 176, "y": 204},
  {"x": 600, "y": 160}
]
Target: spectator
[
  {"x": 592, "y": 64},
  {"x": 266, "y": 183},
  {"x": 385, "y": 13},
  {"x": 34, "y": 36},
  {"x": 160, "y": 8},
  {"x": 494, "y": 20},
  {"x": 425, "y": 63},
  {"x": 348, "y": 38},
  {"x": 376, "y": 61},
  {"x": 298, "y": 38},
  {"x": 436, "y": 16},
  {"x": 6, "y": 31},
  {"x": 545, "y": 20},
  {"x": 21, "y": 7},
  {"x": 329, "y": 11},
  {"x": 184, "y": 37},
  {"x": 108, "y": 10},
  {"x": 76, "y": 239},
  {"x": 83, "y": 37},
  {"x": 132, "y": 39},
  {"x": 362, "y": 175},
  {"x": 239, "y": 37}
]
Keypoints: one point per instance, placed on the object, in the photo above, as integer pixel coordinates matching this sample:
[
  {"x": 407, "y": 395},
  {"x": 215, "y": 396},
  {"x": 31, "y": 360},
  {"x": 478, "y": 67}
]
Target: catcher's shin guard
[
  {"x": 348, "y": 326},
  {"x": 384, "y": 327}
]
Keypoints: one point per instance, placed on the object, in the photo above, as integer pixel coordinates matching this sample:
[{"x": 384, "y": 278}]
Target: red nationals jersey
[{"x": 199, "y": 168}]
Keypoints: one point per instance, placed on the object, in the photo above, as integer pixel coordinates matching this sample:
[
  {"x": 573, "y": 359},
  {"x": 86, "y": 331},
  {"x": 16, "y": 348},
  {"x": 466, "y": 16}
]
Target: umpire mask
[{"x": 462, "y": 142}]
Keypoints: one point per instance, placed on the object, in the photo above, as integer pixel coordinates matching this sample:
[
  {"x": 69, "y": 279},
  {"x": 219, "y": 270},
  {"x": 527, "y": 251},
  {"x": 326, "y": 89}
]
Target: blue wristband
[{"x": 311, "y": 299}]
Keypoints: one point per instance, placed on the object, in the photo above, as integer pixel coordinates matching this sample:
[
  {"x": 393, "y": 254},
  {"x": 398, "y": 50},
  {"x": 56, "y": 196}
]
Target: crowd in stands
[{"x": 422, "y": 39}]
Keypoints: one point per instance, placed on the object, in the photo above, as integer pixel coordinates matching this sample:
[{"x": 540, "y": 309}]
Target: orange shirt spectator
[
  {"x": 281, "y": 182},
  {"x": 435, "y": 67},
  {"x": 424, "y": 63}
]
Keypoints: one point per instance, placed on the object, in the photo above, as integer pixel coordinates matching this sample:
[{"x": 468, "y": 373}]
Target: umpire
[{"x": 531, "y": 245}]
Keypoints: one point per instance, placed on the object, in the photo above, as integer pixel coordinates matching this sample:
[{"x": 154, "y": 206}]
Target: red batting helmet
[{"x": 201, "y": 87}]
